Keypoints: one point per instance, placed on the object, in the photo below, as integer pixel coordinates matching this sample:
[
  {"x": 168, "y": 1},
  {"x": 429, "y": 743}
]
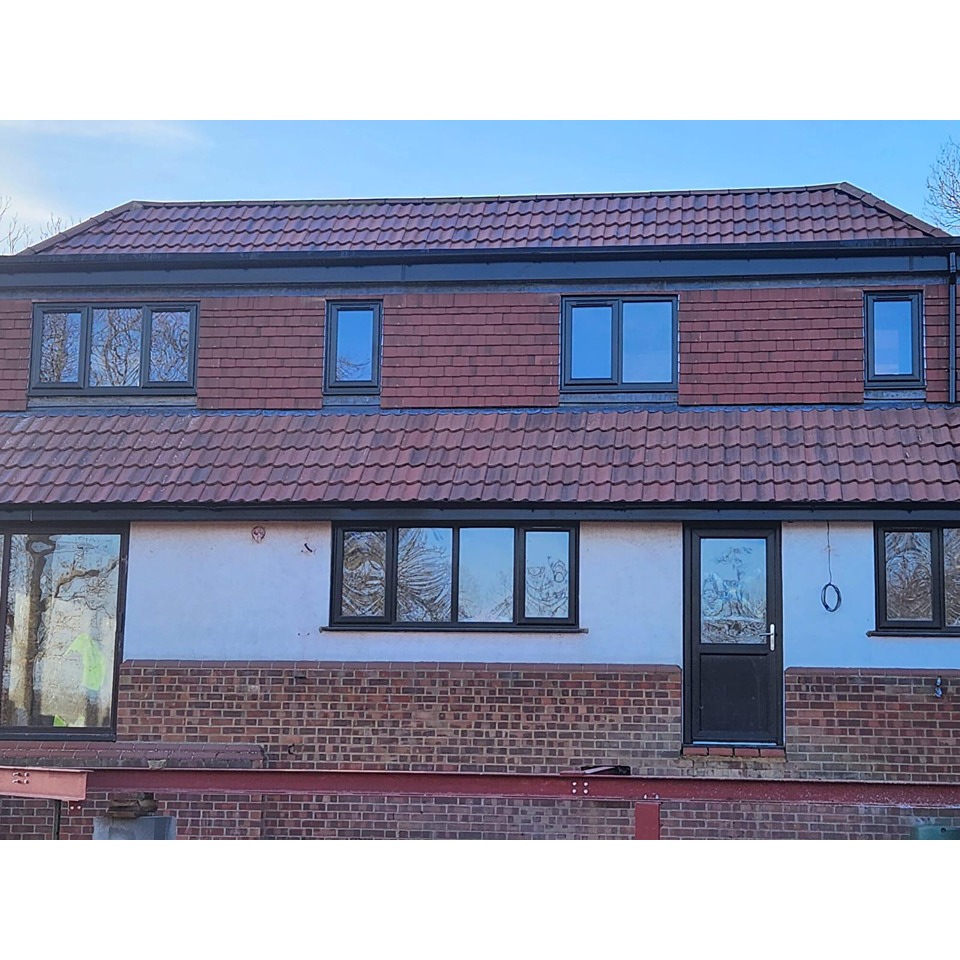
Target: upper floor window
[
  {"x": 353, "y": 347},
  {"x": 620, "y": 344},
  {"x": 60, "y": 606},
  {"x": 458, "y": 576},
  {"x": 113, "y": 349},
  {"x": 918, "y": 578},
  {"x": 894, "y": 336}
]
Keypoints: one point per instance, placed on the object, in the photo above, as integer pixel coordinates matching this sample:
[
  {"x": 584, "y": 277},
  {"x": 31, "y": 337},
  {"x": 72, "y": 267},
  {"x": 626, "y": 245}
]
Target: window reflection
[
  {"x": 547, "y": 574},
  {"x": 60, "y": 632},
  {"x": 486, "y": 575}
]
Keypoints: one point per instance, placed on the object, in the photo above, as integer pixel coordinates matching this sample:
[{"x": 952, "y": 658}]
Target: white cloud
[{"x": 170, "y": 133}]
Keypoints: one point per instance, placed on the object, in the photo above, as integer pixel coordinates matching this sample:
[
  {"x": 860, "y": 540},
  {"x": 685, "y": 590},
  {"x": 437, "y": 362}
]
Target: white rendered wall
[
  {"x": 812, "y": 637},
  {"x": 209, "y": 591}
]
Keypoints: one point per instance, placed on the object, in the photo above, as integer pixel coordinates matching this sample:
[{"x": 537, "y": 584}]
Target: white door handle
[{"x": 772, "y": 633}]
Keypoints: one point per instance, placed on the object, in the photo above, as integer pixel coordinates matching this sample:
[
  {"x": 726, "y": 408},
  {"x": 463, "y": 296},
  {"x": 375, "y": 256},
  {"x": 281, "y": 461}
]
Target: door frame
[{"x": 692, "y": 533}]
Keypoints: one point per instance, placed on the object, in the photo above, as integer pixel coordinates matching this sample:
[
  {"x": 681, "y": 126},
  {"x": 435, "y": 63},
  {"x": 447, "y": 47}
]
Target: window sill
[
  {"x": 875, "y": 393},
  {"x": 570, "y": 397},
  {"x": 732, "y": 752},
  {"x": 915, "y": 635},
  {"x": 509, "y": 629},
  {"x": 58, "y": 733},
  {"x": 125, "y": 400}
]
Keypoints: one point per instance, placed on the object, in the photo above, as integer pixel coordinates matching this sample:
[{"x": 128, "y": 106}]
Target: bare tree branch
[
  {"x": 15, "y": 235},
  {"x": 943, "y": 187}
]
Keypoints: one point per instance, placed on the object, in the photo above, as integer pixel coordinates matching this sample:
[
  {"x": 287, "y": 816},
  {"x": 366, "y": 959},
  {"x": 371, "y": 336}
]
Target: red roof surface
[
  {"x": 775, "y": 456},
  {"x": 829, "y": 212}
]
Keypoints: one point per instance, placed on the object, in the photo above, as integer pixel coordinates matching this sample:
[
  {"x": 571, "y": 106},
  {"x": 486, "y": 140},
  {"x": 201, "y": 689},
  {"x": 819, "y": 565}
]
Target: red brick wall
[
  {"x": 471, "y": 350},
  {"x": 936, "y": 309},
  {"x": 768, "y": 345},
  {"x": 263, "y": 353},
  {"x": 15, "y": 326},
  {"x": 841, "y": 725}
]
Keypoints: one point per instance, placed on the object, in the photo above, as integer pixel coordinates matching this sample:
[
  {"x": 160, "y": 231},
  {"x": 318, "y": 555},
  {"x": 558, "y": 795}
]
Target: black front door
[{"x": 733, "y": 674}]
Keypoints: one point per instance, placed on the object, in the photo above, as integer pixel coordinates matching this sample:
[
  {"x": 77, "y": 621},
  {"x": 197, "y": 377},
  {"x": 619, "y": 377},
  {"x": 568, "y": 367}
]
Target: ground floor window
[
  {"x": 60, "y": 603},
  {"x": 466, "y": 576},
  {"x": 918, "y": 578}
]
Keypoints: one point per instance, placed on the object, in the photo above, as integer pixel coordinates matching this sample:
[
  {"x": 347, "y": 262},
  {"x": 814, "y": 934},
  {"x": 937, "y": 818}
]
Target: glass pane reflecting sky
[
  {"x": 424, "y": 574},
  {"x": 115, "y": 348},
  {"x": 547, "y": 576},
  {"x": 60, "y": 348},
  {"x": 648, "y": 342},
  {"x": 355, "y": 345},
  {"x": 486, "y": 575},
  {"x": 892, "y": 337},
  {"x": 591, "y": 330}
]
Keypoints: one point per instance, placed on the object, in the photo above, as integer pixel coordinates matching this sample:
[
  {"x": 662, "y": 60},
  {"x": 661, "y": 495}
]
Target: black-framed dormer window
[
  {"x": 353, "y": 347},
  {"x": 114, "y": 349},
  {"x": 894, "y": 339},
  {"x": 918, "y": 578},
  {"x": 620, "y": 344},
  {"x": 460, "y": 576}
]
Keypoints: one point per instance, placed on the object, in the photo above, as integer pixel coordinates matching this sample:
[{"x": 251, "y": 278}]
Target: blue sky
[{"x": 77, "y": 169}]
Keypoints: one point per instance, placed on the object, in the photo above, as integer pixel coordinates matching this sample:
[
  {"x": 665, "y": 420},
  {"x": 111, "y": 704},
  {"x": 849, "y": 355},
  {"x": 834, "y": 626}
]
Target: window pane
[
  {"x": 115, "y": 347},
  {"x": 170, "y": 346},
  {"x": 547, "y": 574},
  {"x": 648, "y": 342},
  {"x": 733, "y": 590},
  {"x": 355, "y": 329},
  {"x": 951, "y": 571},
  {"x": 908, "y": 572},
  {"x": 60, "y": 347},
  {"x": 892, "y": 337},
  {"x": 486, "y": 575},
  {"x": 424, "y": 575},
  {"x": 364, "y": 581},
  {"x": 61, "y": 631},
  {"x": 591, "y": 344}
]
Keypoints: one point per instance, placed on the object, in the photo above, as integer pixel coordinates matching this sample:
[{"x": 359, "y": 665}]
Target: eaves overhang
[{"x": 925, "y": 256}]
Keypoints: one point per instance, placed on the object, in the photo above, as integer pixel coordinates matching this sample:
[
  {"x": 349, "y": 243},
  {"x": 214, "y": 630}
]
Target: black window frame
[
  {"x": 39, "y": 388},
  {"x": 331, "y": 385},
  {"x": 937, "y": 624},
  {"x": 616, "y": 383},
  {"x": 10, "y": 529},
  {"x": 519, "y": 623},
  {"x": 916, "y": 377}
]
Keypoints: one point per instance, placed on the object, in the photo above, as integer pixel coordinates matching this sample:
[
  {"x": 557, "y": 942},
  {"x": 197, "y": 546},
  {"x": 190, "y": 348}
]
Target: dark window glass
[
  {"x": 591, "y": 336},
  {"x": 648, "y": 342},
  {"x": 425, "y": 574},
  {"x": 454, "y": 575},
  {"x": 894, "y": 335},
  {"x": 113, "y": 350},
  {"x": 486, "y": 575},
  {"x": 353, "y": 347},
  {"x": 733, "y": 590},
  {"x": 59, "y": 346},
  {"x": 892, "y": 338},
  {"x": 620, "y": 345},
  {"x": 170, "y": 346},
  {"x": 60, "y": 631},
  {"x": 951, "y": 577},
  {"x": 364, "y": 574},
  {"x": 909, "y": 576},
  {"x": 547, "y": 574},
  {"x": 115, "y": 347}
]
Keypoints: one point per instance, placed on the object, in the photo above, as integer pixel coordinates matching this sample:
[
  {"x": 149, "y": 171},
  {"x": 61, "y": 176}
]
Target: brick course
[
  {"x": 471, "y": 350},
  {"x": 15, "y": 326},
  {"x": 523, "y": 718},
  {"x": 260, "y": 353}
]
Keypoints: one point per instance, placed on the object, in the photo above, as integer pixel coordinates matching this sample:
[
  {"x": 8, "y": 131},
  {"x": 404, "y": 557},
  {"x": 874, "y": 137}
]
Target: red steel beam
[
  {"x": 646, "y": 821},
  {"x": 521, "y": 786},
  {"x": 43, "y": 783}
]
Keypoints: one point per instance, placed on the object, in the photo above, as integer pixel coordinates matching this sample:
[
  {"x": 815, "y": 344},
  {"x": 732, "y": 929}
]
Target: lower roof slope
[{"x": 546, "y": 458}]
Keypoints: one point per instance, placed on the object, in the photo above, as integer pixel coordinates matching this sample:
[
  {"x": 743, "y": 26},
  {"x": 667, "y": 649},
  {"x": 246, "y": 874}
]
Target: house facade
[{"x": 503, "y": 485}]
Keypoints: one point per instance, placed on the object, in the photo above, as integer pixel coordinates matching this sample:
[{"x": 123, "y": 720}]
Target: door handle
[{"x": 772, "y": 634}]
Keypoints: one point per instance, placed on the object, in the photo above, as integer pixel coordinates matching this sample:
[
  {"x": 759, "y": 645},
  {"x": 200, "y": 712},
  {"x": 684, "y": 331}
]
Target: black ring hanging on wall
[{"x": 830, "y": 595}]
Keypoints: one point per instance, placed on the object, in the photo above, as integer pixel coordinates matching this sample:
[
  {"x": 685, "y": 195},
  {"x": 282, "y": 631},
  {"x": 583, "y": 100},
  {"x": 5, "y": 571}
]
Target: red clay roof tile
[
  {"x": 832, "y": 212},
  {"x": 836, "y": 455}
]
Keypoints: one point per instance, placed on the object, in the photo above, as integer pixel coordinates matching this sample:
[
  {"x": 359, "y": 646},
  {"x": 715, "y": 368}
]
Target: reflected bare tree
[
  {"x": 425, "y": 575},
  {"x": 548, "y": 588},
  {"x": 908, "y": 561}
]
